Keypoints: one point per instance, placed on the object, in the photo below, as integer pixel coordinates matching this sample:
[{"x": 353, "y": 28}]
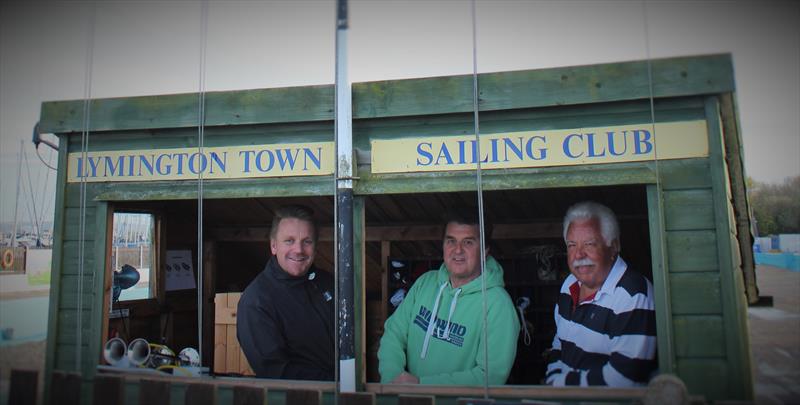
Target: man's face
[
  {"x": 294, "y": 246},
  {"x": 588, "y": 257},
  {"x": 462, "y": 253}
]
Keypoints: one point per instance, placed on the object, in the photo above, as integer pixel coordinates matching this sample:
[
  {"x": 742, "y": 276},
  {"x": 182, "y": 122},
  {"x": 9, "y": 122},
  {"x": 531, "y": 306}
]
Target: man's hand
[{"x": 405, "y": 378}]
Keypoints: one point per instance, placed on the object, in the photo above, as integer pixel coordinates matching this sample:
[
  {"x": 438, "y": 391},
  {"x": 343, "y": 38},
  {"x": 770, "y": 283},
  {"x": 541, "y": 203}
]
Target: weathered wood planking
[
  {"x": 154, "y": 392},
  {"x": 672, "y": 77},
  {"x": 303, "y": 397},
  {"x": 109, "y": 390},
  {"x": 692, "y": 251},
  {"x": 695, "y": 293},
  {"x": 72, "y": 216},
  {"x": 66, "y": 388},
  {"x": 681, "y": 174},
  {"x": 200, "y": 394},
  {"x": 244, "y": 395},
  {"x": 699, "y": 336},
  {"x": 688, "y": 210},
  {"x": 709, "y": 376}
]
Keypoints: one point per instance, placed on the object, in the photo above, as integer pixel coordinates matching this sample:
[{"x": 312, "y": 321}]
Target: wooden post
[
  {"x": 356, "y": 398},
  {"x": 201, "y": 394},
  {"x": 108, "y": 390},
  {"x": 666, "y": 389},
  {"x": 23, "y": 385},
  {"x": 246, "y": 395},
  {"x": 209, "y": 287},
  {"x": 385, "y": 252},
  {"x": 473, "y": 401},
  {"x": 154, "y": 392},
  {"x": 65, "y": 388},
  {"x": 303, "y": 397},
  {"x": 416, "y": 400}
]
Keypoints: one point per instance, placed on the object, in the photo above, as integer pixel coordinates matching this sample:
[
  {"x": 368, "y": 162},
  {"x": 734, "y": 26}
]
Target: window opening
[{"x": 132, "y": 252}]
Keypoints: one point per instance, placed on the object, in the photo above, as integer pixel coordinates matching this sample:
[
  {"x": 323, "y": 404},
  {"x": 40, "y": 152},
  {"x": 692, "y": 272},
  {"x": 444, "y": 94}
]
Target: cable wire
[
  {"x": 200, "y": 138},
  {"x": 479, "y": 185},
  {"x": 87, "y": 94}
]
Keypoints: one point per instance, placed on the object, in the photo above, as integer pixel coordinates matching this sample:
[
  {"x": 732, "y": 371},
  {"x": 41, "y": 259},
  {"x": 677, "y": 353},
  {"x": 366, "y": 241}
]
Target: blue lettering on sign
[
  {"x": 443, "y": 152},
  {"x": 566, "y": 146},
  {"x": 425, "y": 153},
  {"x": 111, "y": 166},
  {"x": 494, "y": 150},
  {"x": 612, "y": 143},
  {"x": 315, "y": 159},
  {"x": 180, "y": 157},
  {"x": 641, "y": 142},
  {"x": 148, "y": 164},
  {"x": 247, "y": 154},
  {"x": 515, "y": 149},
  {"x": 163, "y": 169},
  {"x": 220, "y": 163},
  {"x": 270, "y": 160},
  {"x": 93, "y": 164},
  {"x": 286, "y": 158},
  {"x": 529, "y": 148},
  {"x": 193, "y": 163},
  {"x": 590, "y": 144}
]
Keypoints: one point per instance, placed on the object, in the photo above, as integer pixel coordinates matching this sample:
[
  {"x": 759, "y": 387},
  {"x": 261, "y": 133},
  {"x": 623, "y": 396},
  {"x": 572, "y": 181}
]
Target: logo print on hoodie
[{"x": 457, "y": 331}]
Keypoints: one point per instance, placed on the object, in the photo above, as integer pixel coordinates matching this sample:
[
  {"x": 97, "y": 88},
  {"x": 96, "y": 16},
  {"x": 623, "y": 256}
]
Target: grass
[{"x": 39, "y": 279}]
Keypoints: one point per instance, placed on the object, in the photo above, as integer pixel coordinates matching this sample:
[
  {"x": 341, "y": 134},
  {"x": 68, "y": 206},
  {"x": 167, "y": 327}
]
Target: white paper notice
[{"x": 180, "y": 272}]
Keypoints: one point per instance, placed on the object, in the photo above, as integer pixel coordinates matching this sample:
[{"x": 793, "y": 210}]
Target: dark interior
[{"x": 403, "y": 237}]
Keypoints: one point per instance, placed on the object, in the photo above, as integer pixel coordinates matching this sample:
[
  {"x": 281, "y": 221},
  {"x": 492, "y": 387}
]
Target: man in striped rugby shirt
[{"x": 605, "y": 318}]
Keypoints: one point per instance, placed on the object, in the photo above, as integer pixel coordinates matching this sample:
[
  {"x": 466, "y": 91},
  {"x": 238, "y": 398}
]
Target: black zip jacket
[{"x": 285, "y": 324}]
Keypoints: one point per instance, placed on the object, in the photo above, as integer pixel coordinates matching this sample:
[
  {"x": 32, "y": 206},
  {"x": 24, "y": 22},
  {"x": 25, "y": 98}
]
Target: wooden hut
[{"x": 657, "y": 141}]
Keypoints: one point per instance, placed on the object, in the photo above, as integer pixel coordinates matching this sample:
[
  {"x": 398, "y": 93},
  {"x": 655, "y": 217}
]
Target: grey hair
[{"x": 609, "y": 227}]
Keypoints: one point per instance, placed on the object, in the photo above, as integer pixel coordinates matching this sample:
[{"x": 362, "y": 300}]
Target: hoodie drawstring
[
  {"x": 450, "y": 315},
  {"x": 431, "y": 322}
]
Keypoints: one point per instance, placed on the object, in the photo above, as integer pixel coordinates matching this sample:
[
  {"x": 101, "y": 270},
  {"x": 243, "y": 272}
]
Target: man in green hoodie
[{"x": 437, "y": 335}]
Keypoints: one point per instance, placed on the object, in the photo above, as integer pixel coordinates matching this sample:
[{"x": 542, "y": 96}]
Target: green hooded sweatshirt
[{"x": 451, "y": 352}]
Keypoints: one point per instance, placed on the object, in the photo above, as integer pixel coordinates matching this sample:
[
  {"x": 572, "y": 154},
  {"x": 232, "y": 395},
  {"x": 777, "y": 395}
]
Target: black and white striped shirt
[{"x": 609, "y": 339}]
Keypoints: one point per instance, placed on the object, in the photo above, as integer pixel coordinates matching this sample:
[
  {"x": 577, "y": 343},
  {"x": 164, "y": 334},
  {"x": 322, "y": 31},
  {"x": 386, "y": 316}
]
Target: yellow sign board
[
  {"x": 542, "y": 148},
  {"x": 237, "y": 162}
]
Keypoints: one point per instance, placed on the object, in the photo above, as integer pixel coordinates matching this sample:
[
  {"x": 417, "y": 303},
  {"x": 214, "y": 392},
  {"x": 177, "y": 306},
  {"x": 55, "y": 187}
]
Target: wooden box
[{"x": 228, "y": 356}]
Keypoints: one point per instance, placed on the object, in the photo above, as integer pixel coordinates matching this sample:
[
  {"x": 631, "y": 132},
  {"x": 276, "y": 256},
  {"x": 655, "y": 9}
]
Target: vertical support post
[{"x": 344, "y": 208}]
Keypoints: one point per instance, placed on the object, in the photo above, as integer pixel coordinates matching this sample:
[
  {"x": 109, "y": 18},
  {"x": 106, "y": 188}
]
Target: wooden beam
[
  {"x": 201, "y": 394},
  {"x": 356, "y": 398},
  {"x": 533, "y": 230},
  {"x": 303, "y": 397},
  {"x": 154, "y": 392},
  {"x": 244, "y": 395},
  {"x": 416, "y": 400}
]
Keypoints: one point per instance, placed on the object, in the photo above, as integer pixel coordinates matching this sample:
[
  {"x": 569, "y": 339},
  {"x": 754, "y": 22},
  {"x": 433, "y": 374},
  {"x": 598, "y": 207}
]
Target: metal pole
[
  {"x": 16, "y": 200},
  {"x": 344, "y": 208}
]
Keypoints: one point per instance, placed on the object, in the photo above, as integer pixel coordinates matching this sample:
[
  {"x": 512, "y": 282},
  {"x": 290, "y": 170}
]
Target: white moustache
[{"x": 583, "y": 262}]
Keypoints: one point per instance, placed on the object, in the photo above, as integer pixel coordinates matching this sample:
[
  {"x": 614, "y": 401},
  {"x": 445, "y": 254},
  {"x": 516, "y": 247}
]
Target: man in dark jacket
[{"x": 285, "y": 316}]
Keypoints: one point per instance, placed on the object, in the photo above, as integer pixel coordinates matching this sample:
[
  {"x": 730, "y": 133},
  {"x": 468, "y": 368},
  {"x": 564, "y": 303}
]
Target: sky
[{"x": 58, "y": 50}]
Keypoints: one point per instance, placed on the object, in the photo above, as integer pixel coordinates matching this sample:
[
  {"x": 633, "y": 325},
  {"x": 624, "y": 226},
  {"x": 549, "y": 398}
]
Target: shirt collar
[{"x": 617, "y": 270}]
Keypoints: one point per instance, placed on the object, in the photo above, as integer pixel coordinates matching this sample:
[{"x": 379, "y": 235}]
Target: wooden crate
[{"x": 228, "y": 356}]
